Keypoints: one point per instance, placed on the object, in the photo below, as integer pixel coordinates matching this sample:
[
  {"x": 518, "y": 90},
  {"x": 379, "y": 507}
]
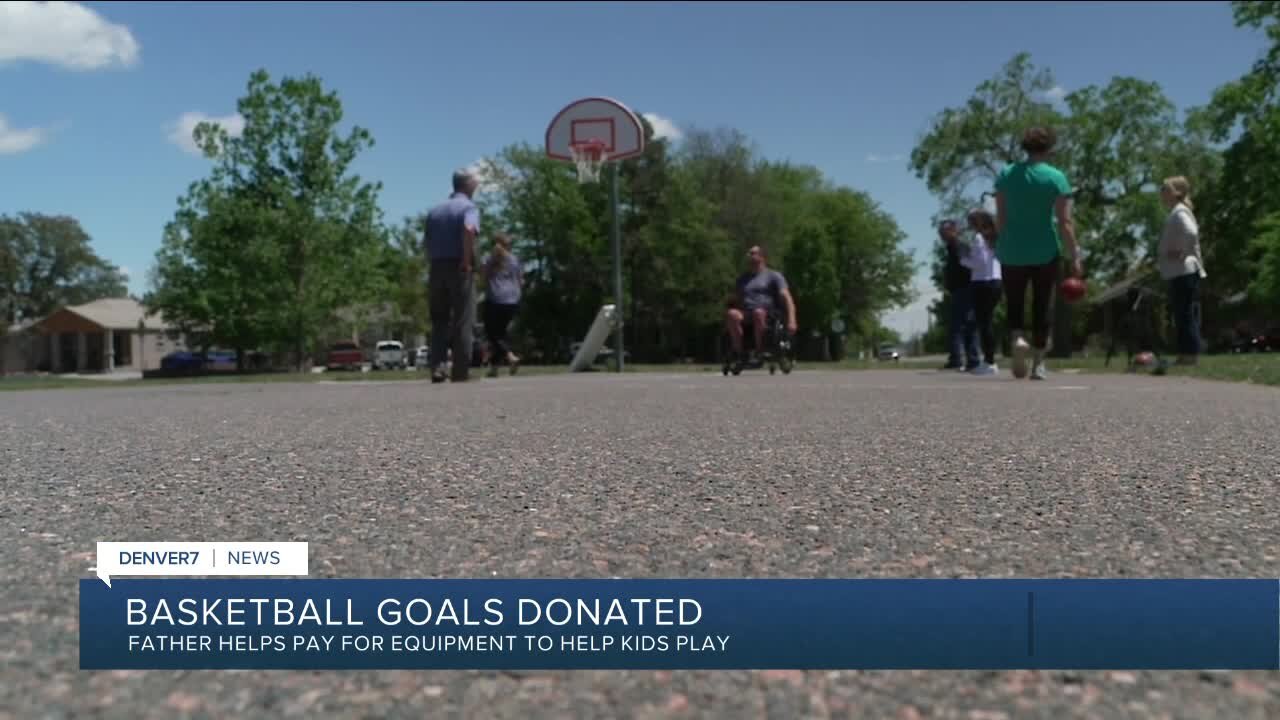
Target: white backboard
[{"x": 596, "y": 118}]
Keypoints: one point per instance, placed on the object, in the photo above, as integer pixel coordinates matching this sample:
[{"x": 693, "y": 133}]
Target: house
[{"x": 101, "y": 336}]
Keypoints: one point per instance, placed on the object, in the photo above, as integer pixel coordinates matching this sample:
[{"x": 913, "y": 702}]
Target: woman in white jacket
[{"x": 1181, "y": 265}]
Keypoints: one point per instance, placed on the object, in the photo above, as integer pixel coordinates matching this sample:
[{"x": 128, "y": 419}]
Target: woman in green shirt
[{"x": 1033, "y": 211}]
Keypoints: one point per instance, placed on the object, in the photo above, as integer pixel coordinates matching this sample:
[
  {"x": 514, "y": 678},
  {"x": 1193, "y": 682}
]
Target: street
[{"x": 895, "y": 473}]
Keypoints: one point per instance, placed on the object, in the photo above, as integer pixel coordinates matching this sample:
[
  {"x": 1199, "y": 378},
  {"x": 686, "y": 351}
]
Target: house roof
[{"x": 117, "y": 314}]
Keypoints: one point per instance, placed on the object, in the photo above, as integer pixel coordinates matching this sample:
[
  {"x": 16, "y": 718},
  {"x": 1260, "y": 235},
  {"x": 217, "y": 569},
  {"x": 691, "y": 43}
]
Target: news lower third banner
[{"x": 309, "y": 624}]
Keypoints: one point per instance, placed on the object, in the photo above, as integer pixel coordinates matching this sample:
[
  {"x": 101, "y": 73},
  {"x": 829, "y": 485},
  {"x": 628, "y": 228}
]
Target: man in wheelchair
[{"x": 760, "y": 299}]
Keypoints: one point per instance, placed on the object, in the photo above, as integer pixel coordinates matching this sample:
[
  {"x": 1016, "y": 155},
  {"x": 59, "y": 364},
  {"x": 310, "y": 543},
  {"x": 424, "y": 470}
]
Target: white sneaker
[
  {"x": 1020, "y": 350},
  {"x": 985, "y": 369},
  {"x": 1040, "y": 372}
]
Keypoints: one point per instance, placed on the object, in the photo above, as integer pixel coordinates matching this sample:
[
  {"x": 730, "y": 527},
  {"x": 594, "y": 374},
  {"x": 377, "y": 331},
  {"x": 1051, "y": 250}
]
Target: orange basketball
[{"x": 1073, "y": 289}]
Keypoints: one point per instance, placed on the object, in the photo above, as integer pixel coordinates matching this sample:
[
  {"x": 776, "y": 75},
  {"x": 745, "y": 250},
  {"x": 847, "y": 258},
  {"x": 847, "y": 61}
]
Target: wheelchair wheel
[
  {"x": 773, "y": 368},
  {"x": 785, "y": 361}
]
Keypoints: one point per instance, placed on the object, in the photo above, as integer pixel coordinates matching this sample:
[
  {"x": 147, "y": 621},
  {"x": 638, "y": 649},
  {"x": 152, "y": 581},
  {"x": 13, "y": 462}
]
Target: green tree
[
  {"x": 757, "y": 203},
  {"x": 216, "y": 276},
  {"x": 681, "y": 265},
  {"x": 46, "y": 261},
  {"x": 875, "y": 272},
  {"x": 1120, "y": 141},
  {"x": 1237, "y": 214},
  {"x": 811, "y": 273},
  {"x": 1265, "y": 246},
  {"x": 964, "y": 149},
  {"x": 405, "y": 264},
  {"x": 281, "y": 196}
]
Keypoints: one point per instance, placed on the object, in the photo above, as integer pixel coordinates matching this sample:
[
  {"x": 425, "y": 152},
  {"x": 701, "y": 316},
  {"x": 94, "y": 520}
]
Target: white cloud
[
  {"x": 488, "y": 172},
  {"x": 875, "y": 159},
  {"x": 66, "y": 34},
  {"x": 1055, "y": 93},
  {"x": 180, "y": 131},
  {"x": 18, "y": 140},
  {"x": 663, "y": 128}
]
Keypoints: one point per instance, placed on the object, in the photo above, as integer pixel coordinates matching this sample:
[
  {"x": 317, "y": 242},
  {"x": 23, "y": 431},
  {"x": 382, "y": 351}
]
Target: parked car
[
  {"x": 345, "y": 356},
  {"x": 220, "y": 360},
  {"x": 889, "y": 352},
  {"x": 1266, "y": 341},
  {"x": 1269, "y": 341},
  {"x": 213, "y": 361},
  {"x": 182, "y": 360},
  {"x": 389, "y": 355}
]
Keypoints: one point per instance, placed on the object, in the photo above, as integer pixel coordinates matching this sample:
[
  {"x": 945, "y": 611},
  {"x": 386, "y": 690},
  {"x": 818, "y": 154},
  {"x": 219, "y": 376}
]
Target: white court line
[
  {"x": 367, "y": 383},
  {"x": 964, "y": 386},
  {"x": 983, "y": 386}
]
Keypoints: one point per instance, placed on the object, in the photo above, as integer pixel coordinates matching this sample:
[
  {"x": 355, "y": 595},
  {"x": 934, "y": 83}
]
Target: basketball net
[{"x": 589, "y": 158}]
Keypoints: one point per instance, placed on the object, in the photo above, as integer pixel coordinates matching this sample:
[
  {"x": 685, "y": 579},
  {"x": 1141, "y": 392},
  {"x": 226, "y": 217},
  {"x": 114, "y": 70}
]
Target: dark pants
[
  {"x": 986, "y": 296},
  {"x": 496, "y": 320},
  {"x": 1184, "y": 292},
  {"x": 453, "y": 310},
  {"x": 1042, "y": 279},
  {"x": 964, "y": 329}
]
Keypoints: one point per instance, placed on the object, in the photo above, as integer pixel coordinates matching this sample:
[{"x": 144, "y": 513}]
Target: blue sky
[{"x": 91, "y": 94}]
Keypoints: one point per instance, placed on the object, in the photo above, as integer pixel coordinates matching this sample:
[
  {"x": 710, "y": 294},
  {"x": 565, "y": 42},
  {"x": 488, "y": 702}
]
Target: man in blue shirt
[{"x": 450, "y": 241}]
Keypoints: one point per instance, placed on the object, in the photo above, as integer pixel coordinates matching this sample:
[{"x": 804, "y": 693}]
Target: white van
[{"x": 389, "y": 354}]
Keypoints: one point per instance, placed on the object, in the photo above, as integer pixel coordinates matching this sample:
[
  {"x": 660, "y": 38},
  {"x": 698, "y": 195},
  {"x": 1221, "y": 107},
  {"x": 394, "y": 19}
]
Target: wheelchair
[{"x": 777, "y": 354}]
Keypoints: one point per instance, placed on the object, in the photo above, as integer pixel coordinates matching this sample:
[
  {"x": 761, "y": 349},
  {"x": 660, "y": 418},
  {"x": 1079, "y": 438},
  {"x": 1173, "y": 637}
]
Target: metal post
[{"x": 617, "y": 268}]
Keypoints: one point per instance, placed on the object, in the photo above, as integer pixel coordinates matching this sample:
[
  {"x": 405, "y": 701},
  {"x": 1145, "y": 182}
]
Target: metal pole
[{"x": 617, "y": 267}]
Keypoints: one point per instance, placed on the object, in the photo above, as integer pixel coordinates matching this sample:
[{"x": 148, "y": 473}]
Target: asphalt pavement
[{"x": 896, "y": 473}]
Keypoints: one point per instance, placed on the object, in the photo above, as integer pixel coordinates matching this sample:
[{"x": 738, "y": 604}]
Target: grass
[{"x": 1256, "y": 368}]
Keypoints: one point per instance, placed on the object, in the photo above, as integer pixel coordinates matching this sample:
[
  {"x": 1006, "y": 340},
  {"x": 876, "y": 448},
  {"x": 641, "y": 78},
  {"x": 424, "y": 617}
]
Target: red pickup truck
[{"x": 345, "y": 356}]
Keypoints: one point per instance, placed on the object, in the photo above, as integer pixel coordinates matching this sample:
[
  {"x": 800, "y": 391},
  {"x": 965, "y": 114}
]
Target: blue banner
[{"x": 679, "y": 624}]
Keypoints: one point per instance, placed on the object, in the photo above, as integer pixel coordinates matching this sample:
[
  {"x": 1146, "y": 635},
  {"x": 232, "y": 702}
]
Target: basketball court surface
[{"x": 895, "y": 473}]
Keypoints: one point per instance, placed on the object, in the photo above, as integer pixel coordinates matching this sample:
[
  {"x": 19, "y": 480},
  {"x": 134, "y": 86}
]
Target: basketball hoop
[
  {"x": 590, "y": 132},
  {"x": 588, "y": 157}
]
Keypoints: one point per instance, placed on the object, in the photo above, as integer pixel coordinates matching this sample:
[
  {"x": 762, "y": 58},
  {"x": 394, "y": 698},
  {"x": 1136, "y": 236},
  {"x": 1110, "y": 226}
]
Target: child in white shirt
[{"x": 985, "y": 268}]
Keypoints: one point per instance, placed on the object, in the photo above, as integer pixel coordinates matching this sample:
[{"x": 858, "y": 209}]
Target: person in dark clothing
[
  {"x": 962, "y": 333},
  {"x": 450, "y": 242}
]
